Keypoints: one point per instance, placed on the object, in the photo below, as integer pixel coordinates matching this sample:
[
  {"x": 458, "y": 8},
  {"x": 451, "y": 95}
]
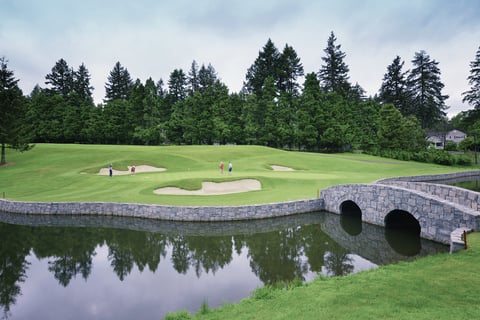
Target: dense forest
[{"x": 327, "y": 112}]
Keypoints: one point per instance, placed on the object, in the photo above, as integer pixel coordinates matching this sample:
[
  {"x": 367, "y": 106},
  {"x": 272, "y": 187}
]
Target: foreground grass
[
  {"x": 53, "y": 172},
  {"x": 442, "y": 286}
]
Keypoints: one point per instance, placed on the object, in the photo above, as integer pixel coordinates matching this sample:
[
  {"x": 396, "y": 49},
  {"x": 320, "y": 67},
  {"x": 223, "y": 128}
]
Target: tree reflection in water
[{"x": 278, "y": 250}]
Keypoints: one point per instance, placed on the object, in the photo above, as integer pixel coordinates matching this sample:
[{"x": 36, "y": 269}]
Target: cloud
[{"x": 152, "y": 38}]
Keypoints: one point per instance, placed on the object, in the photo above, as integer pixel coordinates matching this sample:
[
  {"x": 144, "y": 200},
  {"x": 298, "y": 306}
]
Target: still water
[
  {"x": 63, "y": 267},
  {"x": 473, "y": 185}
]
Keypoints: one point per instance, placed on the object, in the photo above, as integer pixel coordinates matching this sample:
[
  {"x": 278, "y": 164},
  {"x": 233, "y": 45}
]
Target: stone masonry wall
[{"x": 163, "y": 212}]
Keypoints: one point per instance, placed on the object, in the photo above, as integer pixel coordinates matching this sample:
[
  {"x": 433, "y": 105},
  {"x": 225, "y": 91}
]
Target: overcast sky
[{"x": 151, "y": 38}]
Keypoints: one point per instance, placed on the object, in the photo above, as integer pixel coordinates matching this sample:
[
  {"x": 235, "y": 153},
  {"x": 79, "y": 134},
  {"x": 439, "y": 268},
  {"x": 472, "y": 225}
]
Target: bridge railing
[{"x": 432, "y": 185}]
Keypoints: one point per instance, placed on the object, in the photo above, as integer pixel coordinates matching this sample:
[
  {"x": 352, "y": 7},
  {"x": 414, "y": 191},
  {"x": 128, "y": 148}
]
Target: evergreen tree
[
  {"x": 226, "y": 112},
  {"x": 147, "y": 105},
  {"x": 61, "y": 78},
  {"x": 394, "y": 88},
  {"x": 426, "y": 89},
  {"x": 161, "y": 92},
  {"x": 207, "y": 77},
  {"x": 289, "y": 69},
  {"x": 193, "y": 79},
  {"x": 12, "y": 112},
  {"x": 472, "y": 96},
  {"x": 135, "y": 106},
  {"x": 266, "y": 65},
  {"x": 117, "y": 127},
  {"x": 119, "y": 84},
  {"x": 396, "y": 132},
  {"x": 391, "y": 129},
  {"x": 251, "y": 118},
  {"x": 81, "y": 84},
  {"x": 175, "y": 106},
  {"x": 309, "y": 120},
  {"x": 177, "y": 86},
  {"x": 333, "y": 74},
  {"x": 267, "y": 105}
]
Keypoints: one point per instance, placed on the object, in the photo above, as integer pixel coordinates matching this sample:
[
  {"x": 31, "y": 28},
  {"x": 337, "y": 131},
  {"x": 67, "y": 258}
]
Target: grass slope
[{"x": 57, "y": 172}]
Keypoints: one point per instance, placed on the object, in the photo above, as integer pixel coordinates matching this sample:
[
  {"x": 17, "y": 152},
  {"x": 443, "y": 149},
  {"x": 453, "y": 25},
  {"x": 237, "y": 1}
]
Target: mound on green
[{"x": 53, "y": 172}]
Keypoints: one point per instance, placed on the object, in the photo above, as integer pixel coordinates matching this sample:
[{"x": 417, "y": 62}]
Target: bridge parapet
[{"x": 435, "y": 185}]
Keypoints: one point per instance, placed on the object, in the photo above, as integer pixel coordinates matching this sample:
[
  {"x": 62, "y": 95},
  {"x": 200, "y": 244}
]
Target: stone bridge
[{"x": 432, "y": 209}]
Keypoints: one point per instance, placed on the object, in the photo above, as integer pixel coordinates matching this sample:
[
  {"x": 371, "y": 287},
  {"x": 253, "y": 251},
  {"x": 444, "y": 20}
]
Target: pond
[
  {"x": 473, "y": 185},
  {"x": 99, "y": 267}
]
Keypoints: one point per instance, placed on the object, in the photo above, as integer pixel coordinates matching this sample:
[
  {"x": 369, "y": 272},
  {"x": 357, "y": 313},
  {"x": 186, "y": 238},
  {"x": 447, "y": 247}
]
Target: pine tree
[
  {"x": 12, "y": 112},
  {"x": 267, "y": 105},
  {"x": 193, "y": 81},
  {"x": 61, "y": 78},
  {"x": 119, "y": 84},
  {"x": 426, "y": 88},
  {"x": 81, "y": 84},
  {"x": 333, "y": 74},
  {"x": 266, "y": 65},
  {"x": 472, "y": 96},
  {"x": 394, "y": 88},
  {"x": 289, "y": 69},
  {"x": 308, "y": 117},
  {"x": 207, "y": 76},
  {"x": 177, "y": 86}
]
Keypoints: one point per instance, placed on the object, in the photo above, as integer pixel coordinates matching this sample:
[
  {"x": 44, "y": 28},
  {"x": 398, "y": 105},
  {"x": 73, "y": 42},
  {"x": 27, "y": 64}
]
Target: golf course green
[
  {"x": 62, "y": 172},
  {"x": 436, "y": 287}
]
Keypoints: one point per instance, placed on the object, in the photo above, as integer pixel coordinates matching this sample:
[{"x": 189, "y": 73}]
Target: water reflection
[
  {"x": 183, "y": 263},
  {"x": 470, "y": 185}
]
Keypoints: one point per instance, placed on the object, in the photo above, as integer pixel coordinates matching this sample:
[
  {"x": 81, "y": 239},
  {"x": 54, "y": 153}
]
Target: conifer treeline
[{"x": 324, "y": 113}]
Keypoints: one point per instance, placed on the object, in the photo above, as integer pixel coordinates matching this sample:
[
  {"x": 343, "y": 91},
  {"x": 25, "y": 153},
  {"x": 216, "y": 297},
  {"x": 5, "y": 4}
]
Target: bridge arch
[
  {"x": 402, "y": 220},
  {"x": 351, "y": 217},
  {"x": 402, "y": 228},
  {"x": 350, "y": 208}
]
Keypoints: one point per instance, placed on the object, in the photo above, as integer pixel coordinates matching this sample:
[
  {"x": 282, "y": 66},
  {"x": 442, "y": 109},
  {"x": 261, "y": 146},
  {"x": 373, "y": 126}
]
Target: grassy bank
[
  {"x": 52, "y": 172},
  {"x": 442, "y": 286}
]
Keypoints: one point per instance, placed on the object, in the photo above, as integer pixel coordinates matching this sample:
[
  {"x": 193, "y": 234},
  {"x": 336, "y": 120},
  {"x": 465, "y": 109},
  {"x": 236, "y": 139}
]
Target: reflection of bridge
[
  {"x": 375, "y": 243},
  {"x": 435, "y": 210}
]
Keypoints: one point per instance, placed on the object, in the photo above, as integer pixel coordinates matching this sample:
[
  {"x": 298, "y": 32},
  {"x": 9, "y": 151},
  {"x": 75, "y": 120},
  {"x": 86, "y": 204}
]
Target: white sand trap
[
  {"x": 215, "y": 188},
  {"x": 138, "y": 169},
  {"x": 282, "y": 168}
]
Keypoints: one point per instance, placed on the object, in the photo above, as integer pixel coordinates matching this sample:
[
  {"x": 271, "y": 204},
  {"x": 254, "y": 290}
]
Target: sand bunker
[
  {"x": 138, "y": 169},
  {"x": 215, "y": 188},
  {"x": 282, "y": 168}
]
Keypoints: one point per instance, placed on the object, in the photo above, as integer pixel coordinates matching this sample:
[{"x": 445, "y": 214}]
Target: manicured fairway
[{"x": 55, "y": 172}]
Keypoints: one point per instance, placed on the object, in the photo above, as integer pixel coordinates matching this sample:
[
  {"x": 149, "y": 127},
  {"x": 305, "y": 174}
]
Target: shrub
[
  {"x": 464, "y": 161},
  {"x": 180, "y": 315},
  {"x": 451, "y": 146}
]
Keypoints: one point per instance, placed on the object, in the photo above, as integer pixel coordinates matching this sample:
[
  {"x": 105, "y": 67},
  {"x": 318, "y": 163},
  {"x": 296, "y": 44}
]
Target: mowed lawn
[{"x": 60, "y": 172}]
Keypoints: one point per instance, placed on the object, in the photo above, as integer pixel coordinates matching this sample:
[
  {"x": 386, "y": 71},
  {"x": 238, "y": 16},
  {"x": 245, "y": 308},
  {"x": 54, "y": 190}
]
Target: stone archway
[
  {"x": 402, "y": 232},
  {"x": 351, "y": 218},
  {"x": 402, "y": 220}
]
